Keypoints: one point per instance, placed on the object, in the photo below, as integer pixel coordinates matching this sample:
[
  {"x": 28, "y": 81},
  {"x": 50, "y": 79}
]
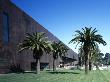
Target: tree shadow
[{"x": 62, "y": 72}]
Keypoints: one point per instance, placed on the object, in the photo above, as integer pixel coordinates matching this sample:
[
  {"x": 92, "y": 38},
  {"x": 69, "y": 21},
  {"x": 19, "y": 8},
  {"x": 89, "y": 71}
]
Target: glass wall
[{"x": 5, "y": 28}]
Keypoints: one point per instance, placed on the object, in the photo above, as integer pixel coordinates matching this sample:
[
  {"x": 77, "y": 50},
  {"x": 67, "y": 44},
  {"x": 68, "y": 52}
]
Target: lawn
[{"x": 58, "y": 76}]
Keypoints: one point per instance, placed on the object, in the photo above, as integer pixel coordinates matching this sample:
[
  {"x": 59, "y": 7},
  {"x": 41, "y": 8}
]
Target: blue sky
[{"x": 64, "y": 17}]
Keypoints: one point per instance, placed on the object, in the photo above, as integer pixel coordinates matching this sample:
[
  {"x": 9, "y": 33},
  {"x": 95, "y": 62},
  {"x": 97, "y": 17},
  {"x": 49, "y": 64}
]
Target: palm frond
[{"x": 37, "y": 42}]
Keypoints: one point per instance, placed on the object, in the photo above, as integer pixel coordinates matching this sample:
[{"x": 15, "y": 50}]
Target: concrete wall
[{"x": 20, "y": 24}]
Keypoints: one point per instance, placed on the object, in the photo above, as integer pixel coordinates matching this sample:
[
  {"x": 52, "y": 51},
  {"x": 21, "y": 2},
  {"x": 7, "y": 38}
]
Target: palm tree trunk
[
  {"x": 80, "y": 63},
  {"x": 38, "y": 66},
  {"x": 86, "y": 64},
  {"x": 90, "y": 65},
  {"x": 86, "y": 54},
  {"x": 54, "y": 67},
  {"x": 90, "y": 61}
]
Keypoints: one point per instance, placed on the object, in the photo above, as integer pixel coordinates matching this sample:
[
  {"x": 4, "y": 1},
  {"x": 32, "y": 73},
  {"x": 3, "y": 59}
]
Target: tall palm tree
[
  {"x": 88, "y": 38},
  {"x": 38, "y": 43},
  {"x": 59, "y": 49}
]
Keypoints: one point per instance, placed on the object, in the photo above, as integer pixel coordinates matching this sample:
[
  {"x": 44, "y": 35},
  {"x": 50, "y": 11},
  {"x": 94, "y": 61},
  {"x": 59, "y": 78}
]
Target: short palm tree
[
  {"x": 81, "y": 56},
  {"x": 88, "y": 38},
  {"x": 94, "y": 57},
  {"x": 59, "y": 49},
  {"x": 38, "y": 43},
  {"x": 94, "y": 52}
]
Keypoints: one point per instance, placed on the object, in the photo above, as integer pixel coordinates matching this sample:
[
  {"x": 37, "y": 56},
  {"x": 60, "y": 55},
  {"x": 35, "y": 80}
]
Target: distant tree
[
  {"x": 107, "y": 59},
  {"x": 59, "y": 50},
  {"x": 88, "y": 38},
  {"x": 38, "y": 44},
  {"x": 100, "y": 58}
]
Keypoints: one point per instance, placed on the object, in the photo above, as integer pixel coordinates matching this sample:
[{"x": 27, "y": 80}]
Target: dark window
[
  {"x": 5, "y": 28},
  {"x": 33, "y": 66}
]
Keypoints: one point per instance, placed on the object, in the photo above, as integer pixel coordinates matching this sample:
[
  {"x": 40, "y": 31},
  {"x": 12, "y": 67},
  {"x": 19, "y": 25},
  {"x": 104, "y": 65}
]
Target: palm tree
[
  {"x": 96, "y": 57},
  {"x": 88, "y": 38},
  {"x": 59, "y": 49},
  {"x": 38, "y": 43},
  {"x": 94, "y": 52}
]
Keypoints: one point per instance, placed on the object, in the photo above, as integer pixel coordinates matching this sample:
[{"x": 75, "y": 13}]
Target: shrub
[{"x": 16, "y": 69}]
